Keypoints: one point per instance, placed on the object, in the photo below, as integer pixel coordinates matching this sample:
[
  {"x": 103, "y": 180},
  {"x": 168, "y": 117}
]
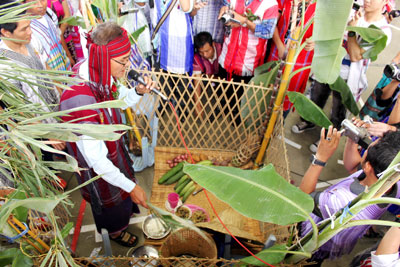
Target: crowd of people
[{"x": 228, "y": 39}]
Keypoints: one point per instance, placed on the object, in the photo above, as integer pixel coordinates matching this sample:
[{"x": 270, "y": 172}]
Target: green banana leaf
[
  {"x": 15, "y": 258},
  {"x": 20, "y": 213},
  {"x": 272, "y": 255},
  {"x": 308, "y": 110},
  {"x": 135, "y": 34},
  {"x": 74, "y": 21},
  {"x": 265, "y": 74},
  {"x": 265, "y": 68},
  {"x": 371, "y": 36},
  {"x": 330, "y": 22},
  {"x": 259, "y": 194},
  {"x": 348, "y": 101}
]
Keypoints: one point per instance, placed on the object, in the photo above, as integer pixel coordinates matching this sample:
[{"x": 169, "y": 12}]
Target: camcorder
[
  {"x": 126, "y": 9},
  {"x": 392, "y": 71},
  {"x": 358, "y": 134},
  {"x": 228, "y": 17},
  {"x": 394, "y": 13}
]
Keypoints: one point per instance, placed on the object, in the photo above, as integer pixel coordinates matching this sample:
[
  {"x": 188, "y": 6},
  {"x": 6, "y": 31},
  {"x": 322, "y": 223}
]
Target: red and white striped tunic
[{"x": 243, "y": 51}]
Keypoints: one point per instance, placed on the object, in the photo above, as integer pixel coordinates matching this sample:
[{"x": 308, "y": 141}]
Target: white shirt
[
  {"x": 95, "y": 151},
  {"x": 386, "y": 260}
]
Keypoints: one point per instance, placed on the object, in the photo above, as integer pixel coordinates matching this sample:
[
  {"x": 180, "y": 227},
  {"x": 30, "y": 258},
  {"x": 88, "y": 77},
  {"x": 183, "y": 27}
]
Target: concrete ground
[{"x": 299, "y": 162}]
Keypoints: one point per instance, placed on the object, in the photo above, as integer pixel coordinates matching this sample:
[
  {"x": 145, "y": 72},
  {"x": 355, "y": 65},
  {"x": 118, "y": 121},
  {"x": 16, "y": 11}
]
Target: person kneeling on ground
[
  {"x": 112, "y": 197},
  {"x": 376, "y": 159}
]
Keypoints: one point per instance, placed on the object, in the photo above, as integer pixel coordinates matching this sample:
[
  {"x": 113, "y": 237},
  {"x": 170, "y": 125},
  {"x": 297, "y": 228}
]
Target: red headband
[{"x": 100, "y": 63}]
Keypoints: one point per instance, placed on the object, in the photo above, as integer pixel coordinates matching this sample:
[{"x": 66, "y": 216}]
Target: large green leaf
[
  {"x": 373, "y": 39},
  {"x": 347, "y": 97},
  {"x": 74, "y": 21},
  {"x": 265, "y": 74},
  {"x": 330, "y": 22},
  {"x": 44, "y": 205},
  {"x": 308, "y": 110},
  {"x": 20, "y": 213},
  {"x": 266, "y": 67},
  {"x": 272, "y": 255},
  {"x": 14, "y": 257},
  {"x": 135, "y": 34},
  {"x": 259, "y": 194}
]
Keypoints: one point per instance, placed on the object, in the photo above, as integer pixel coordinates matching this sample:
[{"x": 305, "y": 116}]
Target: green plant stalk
[
  {"x": 371, "y": 222},
  {"x": 298, "y": 70}
]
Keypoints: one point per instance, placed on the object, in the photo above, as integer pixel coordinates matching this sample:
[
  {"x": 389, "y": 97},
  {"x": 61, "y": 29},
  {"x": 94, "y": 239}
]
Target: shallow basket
[{"x": 185, "y": 241}]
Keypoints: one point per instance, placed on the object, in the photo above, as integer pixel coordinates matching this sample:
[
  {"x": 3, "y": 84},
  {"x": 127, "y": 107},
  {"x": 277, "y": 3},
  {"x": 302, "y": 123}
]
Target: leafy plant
[
  {"x": 263, "y": 194},
  {"x": 308, "y": 109},
  {"x": 373, "y": 39},
  {"x": 328, "y": 38}
]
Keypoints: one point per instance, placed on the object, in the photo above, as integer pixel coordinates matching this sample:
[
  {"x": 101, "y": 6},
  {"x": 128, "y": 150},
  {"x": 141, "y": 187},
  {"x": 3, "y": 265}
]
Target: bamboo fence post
[
  {"x": 134, "y": 127},
  {"x": 281, "y": 94}
]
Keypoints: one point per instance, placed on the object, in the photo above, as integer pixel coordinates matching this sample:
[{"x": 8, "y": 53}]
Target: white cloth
[{"x": 387, "y": 260}]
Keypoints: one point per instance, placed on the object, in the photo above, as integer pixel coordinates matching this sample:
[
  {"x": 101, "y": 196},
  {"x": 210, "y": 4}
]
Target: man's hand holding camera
[
  {"x": 328, "y": 144},
  {"x": 375, "y": 128}
]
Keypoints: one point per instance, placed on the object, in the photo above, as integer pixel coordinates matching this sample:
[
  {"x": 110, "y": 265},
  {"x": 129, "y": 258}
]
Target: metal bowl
[
  {"x": 145, "y": 252},
  {"x": 148, "y": 227}
]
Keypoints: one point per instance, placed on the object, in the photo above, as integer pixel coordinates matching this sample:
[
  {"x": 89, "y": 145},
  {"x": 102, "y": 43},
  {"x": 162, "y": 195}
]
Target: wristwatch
[
  {"x": 351, "y": 34},
  {"x": 315, "y": 161}
]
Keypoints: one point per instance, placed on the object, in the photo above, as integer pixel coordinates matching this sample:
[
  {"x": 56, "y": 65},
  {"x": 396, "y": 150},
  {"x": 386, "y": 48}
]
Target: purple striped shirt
[{"x": 335, "y": 198}]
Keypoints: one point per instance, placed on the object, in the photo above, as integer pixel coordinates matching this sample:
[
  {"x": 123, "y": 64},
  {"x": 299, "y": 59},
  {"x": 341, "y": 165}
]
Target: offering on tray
[
  {"x": 183, "y": 212},
  {"x": 198, "y": 216}
]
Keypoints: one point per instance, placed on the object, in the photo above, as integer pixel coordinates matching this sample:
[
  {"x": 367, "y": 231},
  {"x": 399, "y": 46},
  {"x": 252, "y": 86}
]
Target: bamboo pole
[
  {"x": 133, "y": 124},
  {"x": 281, "y": 94}
]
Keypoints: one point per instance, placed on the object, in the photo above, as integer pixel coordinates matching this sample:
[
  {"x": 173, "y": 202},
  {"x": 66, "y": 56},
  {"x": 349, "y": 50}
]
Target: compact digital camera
[
  {"x": 392, "y": 71},
  {"x": 358, "y": 134},
  {"x": 228, "y": 17}
]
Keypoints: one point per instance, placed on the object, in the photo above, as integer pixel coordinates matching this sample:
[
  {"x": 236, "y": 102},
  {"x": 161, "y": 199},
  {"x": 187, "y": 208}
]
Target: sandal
[{"x": 126, "y": 239}]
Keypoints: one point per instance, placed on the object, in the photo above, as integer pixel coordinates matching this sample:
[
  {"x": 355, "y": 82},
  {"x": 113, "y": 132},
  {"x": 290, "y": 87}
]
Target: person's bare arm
[
  {"x": 280, "y": 46},
  {"x": 353, "y": 48},
  {"x": 390, "y": 243},
  {"x": 326, "y": 148},
  {"x": 138, "y": 196},
  {"x": 196, "y": 7},
  {"x": 351, "y": 157},
  {"x": 185, "y": 5},
  {"x": 389, "y": 89},
  {"x": 395, "y": 114},
  {"x": 243, "y": 21}
]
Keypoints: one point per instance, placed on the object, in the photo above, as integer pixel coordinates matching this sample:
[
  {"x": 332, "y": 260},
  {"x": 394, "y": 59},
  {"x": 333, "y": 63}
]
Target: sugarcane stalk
[
  {"x": 283, "y": 82},
  {"x": 133, "y": 124}
]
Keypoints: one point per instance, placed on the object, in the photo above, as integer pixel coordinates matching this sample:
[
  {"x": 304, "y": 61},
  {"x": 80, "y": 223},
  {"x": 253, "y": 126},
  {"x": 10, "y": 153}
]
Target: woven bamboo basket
[{"x": 188, "y": 242}]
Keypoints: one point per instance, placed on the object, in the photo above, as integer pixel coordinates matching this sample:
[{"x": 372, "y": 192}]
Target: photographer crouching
[{"x": 377, "y": 158}]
